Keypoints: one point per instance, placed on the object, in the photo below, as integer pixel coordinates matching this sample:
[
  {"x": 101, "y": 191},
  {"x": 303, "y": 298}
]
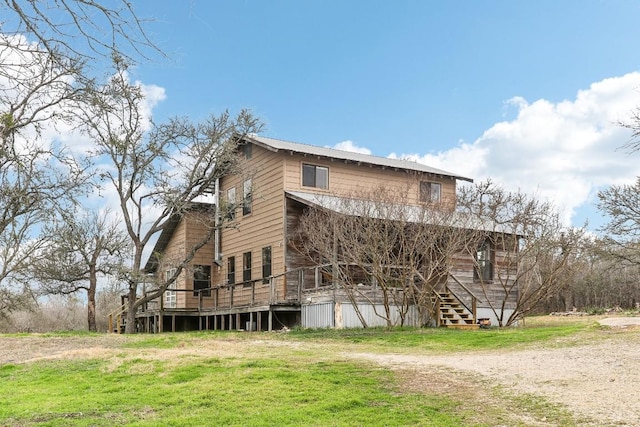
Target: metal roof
[
  {"x": 385, "y": 162},
  {"x": 409, "y": 213}
]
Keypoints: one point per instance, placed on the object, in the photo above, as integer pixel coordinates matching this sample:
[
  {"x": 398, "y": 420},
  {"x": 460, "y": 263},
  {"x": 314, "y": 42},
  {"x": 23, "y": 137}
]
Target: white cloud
[
  {"x": 564, "y": 151},
  {"x": 348, "y": 145}
]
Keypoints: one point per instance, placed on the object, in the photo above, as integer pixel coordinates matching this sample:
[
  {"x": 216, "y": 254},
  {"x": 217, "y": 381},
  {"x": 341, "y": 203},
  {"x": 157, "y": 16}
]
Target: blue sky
[{"x": 524, "y": 92}]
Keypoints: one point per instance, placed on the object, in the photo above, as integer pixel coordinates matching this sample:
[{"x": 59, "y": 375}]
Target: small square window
[
  {"x": 430, "y": 192},
  {"x": 315, "y": 176}
]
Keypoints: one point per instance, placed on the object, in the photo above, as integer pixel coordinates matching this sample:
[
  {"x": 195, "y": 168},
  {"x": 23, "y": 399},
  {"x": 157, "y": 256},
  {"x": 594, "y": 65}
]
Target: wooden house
[{"x": 250, "y": 277}]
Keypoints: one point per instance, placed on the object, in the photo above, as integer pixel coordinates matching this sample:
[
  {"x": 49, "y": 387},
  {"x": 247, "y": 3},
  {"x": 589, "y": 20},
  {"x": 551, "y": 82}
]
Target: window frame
[
  {"x": 206, "y": 281},
  {"x": 247, "y": 150},
  {"x": 267, "y": 269},
  {"x": 231, "y": 204},
  {"x": 246, "y": 267},
  {"x": 483, "y": 270},
  {"x": 314, "y": 184},
  {"x": 426, "y": 192},
  {"x": 231, "y": 270},
  {"x": 247, "y": 197},
  {"x": 170, "y": 294}
]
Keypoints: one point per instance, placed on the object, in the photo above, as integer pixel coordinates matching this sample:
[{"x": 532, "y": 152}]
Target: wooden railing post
[{"x": 474, "y": 309}]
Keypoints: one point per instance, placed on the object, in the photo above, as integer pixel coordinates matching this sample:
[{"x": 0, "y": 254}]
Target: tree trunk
[
  {"x": 130, "y": 326},
  {"x": 91, "y": 299}
]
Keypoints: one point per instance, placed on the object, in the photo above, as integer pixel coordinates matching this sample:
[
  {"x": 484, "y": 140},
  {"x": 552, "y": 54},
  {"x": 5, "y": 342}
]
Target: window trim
[
  {"x": 267, "y": 263},
  {"x": 207, "y": 281},
  {"x": 484, "y": 260},
  {"x": 247, "y": 150},
  {"x": 247, "y": 197},
  {"x": 231, "y": 270},
  {"x": 231, "y": 204},
  {"x": 315, "y": 176},
  {"x": 170, "y": 294},
  {"x": 426, "y": 195},
  {"x": 246, "y": 267}
]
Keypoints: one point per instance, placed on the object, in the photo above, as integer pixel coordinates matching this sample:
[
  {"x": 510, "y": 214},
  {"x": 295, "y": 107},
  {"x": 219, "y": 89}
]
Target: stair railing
[{"x": 474, "y": 299}]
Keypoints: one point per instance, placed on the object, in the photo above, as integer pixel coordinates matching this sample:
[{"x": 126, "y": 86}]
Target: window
[
  {"x": 483, "y": 271},
  {"x": 247, "y": 150},
  {"x": 231, "y": 270},
  {"x": 246, "y": 266},
  {"x": 247, "y": 197},
  {"x": 231, "y": 204},
  {"x": 315, "y": 176},
  {"x": 170, "y": 297},
  {"x": 430, "y": 192},
  {"x": 202, "y": 280},
  {"x": 266, "y": 264}
]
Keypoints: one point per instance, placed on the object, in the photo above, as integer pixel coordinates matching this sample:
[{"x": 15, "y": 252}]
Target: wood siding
[
  {"x": 264, "y": 226},
  {"x": 348, "y": 179},
  {"x": 490, "y": 292}
]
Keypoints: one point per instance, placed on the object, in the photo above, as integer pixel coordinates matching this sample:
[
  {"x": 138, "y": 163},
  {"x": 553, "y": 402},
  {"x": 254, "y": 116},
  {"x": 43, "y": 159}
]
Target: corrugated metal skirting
[
  {"x": 318, "y": 315},
  {"x": 343, "y": 315},
  {"x": 350, "y": 318}
]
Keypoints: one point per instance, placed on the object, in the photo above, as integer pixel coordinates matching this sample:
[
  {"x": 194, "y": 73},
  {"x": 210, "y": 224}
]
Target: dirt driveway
[{"x": 598, "y": 382}]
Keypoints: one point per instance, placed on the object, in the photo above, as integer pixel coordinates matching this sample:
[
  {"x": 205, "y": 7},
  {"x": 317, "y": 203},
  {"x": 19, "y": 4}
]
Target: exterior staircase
[{"x": 451, "y": 313}]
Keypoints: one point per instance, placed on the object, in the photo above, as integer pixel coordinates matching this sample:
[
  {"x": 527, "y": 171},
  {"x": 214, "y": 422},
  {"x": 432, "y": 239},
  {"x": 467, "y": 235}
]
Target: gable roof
[{"x": 278, "y": 145}]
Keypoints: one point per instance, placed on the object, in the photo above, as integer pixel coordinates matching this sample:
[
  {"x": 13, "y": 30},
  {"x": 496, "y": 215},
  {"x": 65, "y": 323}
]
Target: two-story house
[{"x": 251, "y": 277}]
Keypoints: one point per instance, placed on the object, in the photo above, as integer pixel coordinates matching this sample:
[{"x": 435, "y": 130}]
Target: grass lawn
[{"x": 266, "y": 379}]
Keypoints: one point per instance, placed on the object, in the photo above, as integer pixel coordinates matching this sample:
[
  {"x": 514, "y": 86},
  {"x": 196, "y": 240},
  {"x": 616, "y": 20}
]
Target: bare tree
[
  {"x": 621, "y": 204},
  {"x": 86, "y": 30},
  {"x": 157, "y": 172},
  {"x": 46, "y": 48},
  {"x": 83, "y": 248},
  {"x": 530, "y": 252},
  {"x": 383, "y": 252}
]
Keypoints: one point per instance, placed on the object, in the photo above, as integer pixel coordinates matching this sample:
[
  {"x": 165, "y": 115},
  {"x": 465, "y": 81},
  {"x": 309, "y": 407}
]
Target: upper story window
[
  {"x": 430, "y": 192},
  {"x": 247, "y": 197},
  {"x": 231, "y": 204},
  {"x": 247, "y": 150},
  {"x": 315, "y": 176},
  {"x": 483, "y": 271}
]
